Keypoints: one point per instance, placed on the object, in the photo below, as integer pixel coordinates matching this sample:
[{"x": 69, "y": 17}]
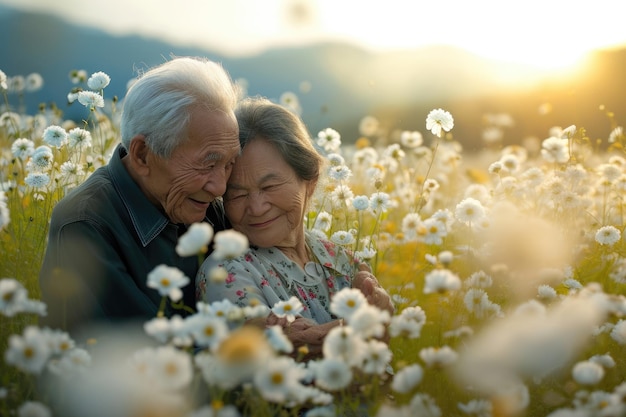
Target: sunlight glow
[
  {"x": 537, "y": 33},
  {"x": 543, "y": 34}
]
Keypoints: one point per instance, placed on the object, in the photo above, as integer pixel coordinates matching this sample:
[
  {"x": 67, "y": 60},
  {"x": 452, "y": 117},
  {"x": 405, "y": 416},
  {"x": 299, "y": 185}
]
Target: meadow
[{"x": 507, "y": 268}]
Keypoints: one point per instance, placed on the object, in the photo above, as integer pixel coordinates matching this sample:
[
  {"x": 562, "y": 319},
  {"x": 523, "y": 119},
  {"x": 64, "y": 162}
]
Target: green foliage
[{"x": 552, "y": 236}]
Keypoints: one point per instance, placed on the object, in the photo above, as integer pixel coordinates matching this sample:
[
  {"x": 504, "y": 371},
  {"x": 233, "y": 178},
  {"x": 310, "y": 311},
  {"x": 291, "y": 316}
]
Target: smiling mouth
[
  {"x": 198, "y": 202},
  {"x": 263, "y": 224}
]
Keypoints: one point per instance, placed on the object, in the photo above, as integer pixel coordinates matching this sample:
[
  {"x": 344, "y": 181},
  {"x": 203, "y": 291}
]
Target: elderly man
[{"x": 179, "y": 141}]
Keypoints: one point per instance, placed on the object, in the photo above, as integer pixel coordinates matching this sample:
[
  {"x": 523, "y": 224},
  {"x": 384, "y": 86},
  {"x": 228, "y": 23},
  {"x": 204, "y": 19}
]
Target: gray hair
[
  {"x": 260, "y": 117},
  {"x": 158, "y": 105}
]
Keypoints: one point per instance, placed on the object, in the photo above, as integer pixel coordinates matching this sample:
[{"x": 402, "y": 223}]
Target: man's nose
[{"x": 216, "y": 184}]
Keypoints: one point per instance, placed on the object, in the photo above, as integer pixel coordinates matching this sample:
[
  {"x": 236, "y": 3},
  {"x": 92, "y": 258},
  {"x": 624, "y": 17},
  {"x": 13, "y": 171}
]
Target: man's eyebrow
[{"x": 213, "y": 156}]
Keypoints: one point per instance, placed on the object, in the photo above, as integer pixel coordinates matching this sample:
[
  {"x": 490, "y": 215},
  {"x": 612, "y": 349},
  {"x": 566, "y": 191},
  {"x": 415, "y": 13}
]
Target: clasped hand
[{"x": 365, "y": 281}]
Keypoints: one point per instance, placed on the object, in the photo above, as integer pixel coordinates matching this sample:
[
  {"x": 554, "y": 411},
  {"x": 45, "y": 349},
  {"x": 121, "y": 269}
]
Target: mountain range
[{"x": 346, "y": 82}]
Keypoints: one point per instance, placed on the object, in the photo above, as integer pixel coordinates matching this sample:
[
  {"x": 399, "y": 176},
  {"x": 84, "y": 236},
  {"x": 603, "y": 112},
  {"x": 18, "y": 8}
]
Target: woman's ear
[
  {"x": 138, "y": 155},
  {"x": 310, "y": 187}
]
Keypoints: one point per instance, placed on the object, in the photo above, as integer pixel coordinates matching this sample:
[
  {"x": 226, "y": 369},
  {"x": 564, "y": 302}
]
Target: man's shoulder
[{"x": 91, "y": 196}]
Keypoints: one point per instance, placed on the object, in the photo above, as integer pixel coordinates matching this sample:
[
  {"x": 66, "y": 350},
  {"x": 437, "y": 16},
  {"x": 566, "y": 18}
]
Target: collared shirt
[
  {"x": 267, "y": 275},
  {"x": 105, "y": 238}
]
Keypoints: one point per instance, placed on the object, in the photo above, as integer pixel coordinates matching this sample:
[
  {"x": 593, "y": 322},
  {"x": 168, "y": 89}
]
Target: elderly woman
[{"x": 266, "y": 199}]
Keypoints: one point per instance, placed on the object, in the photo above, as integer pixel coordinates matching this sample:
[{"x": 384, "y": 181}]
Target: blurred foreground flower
[
  {"x": 195, "y": 240},
  {"x": 168, "y": 281},
  {"x": 229, "y": 244},
  {"x": 288, "y": 309}
]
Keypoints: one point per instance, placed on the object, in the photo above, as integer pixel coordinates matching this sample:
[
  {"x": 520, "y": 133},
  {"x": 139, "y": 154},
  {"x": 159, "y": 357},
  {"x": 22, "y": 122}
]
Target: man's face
[{"x": 196, "y": 172}]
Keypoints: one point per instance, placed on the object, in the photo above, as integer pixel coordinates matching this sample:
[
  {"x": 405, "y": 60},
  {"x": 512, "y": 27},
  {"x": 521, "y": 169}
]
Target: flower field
[{"x": 507, "y": 268}]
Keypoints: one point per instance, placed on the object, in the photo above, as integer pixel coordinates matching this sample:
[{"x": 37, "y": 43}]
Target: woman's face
[{"x": 265, "y": 199}]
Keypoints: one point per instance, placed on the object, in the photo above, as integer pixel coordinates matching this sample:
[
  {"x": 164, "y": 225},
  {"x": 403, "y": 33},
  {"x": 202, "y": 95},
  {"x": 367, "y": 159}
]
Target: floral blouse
[{"x": 268, "y": 276}]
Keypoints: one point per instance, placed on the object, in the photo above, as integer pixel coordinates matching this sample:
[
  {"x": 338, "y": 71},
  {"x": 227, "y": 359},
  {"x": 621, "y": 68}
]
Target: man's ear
[{"x": 138, "y": 155}]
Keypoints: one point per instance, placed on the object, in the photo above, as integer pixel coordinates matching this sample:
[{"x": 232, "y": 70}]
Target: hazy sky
[{"x": 544, "y": 33}]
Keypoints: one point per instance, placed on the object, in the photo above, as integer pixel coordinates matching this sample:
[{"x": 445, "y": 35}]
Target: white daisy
[
  {"x": 74, "y": 363},
  {"x": 98, "y": 80},
  {"x": 341, "y": 195},
  {"x": 607, "y": 235},
  {"x": 90, "y": 99},
  {"x": 394, "y": 151},
  {"x": 13, "y": 294},
  {"x": 366, "y": 253},
  {"x": 618, "y": 333},
  {"x": 368, "y": 126},
  {"x": 369, "y": 321},
  {"x": 376, "y": 357},
  {"x": 360, "y": 202},
  {"x": 29, "y": 352},
  {"x": 195, "y": 240},
  {"x": 168, "y": 281},
  {"x": 33, "y": 409},
  {"x": 606, "y": 360},
  {"x": 441, "y": 281},
  {"x": 55, "y": 136},
  {"x": 41, "y": 159},
  {"x": 478, "y": 408},
  {"x": 479, "y": 279},
  {"x": 339, "y": 173},
  {"x": 411, "y": 139},
  {"x": 379, "y": 202},
  {"x": 346, "y": 302},
  {"x": 587, "y": 373},
  {"x": 331, "y": 374},
  {"x": 555, "y": 149},
  {"x": 477, "y": 302},
  {"x": 289, "y": 309},
  {"x": 71, "y": 171},
  {"x": 323, "y": 221},
  {"x": 278, "y": 378},
  {"x": 207, "y": 331},
  {"x": 278, "y": 340},
  {"x": 79, "y": 138},
  {"x": 37, "y": 179},
  {"x": 290, "y": 100},
  {"x": 438, "y": 357},
  {"x": 469, "y": 211},
  {"x": 424, "y": 405},
  {"x": 22, "y": 148},
  {"x": 341, "y": 237},
  {"x": 416, "y": 313},
  {"x": 229, "y": 244},
  {"x": 432, "y": 231},
  {"x": 438, "y": 120},
  {"x": 166, "y": 330},
  {"x": 329, "y": 139},
  {"x": 173, "y": 368},
  {"x": 335, "y": 159},
  {"x": 546, "y": 292},
  {"x": 407, "y": 378},
  {"x": 343, "y": 343}
]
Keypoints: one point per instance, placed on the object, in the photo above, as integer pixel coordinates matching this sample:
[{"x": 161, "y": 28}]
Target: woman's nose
[{"x": 257, "y": 202}]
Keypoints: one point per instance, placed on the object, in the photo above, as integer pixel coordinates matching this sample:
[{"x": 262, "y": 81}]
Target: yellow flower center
[{"x": 277, "y": 378}]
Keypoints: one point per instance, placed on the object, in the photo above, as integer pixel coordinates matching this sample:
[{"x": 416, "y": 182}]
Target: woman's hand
[
  {"x": 365, "y": 281},
  {"x": 303, "y": 332}
]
